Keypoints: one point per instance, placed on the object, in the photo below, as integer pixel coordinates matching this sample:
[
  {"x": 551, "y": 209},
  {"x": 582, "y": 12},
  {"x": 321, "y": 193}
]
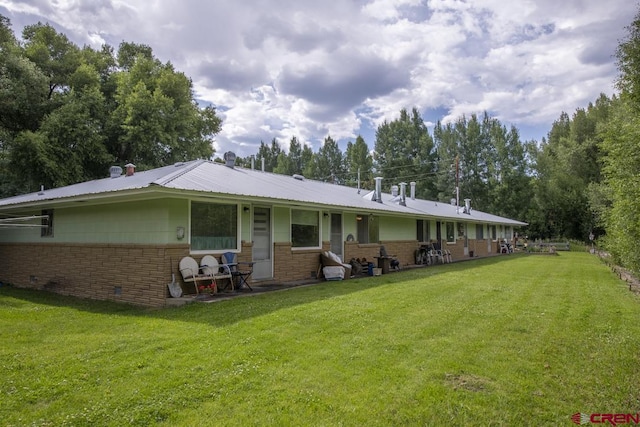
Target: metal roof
[{"x": 201, "y": 176}]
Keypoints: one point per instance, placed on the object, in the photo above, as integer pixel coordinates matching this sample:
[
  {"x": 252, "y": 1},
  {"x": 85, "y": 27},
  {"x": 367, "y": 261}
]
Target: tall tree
[
  {"x": 621, "y": 170},
  {"x": 270, "y": 154},
  {"x": 291, "y": 163},
  {"x": 328, "y": 163},
  {"x": 69, "y": 113},
  {"x": 488, "y": 163},
  {"x": 404, "y": 151},
  {"x": 53, "y": 53},
  {"x": 447, "y": 151},
  {"x": 358, "y": 159},
  {"x": 568, "y": 172},
  {"x": 156, "y": 121}
]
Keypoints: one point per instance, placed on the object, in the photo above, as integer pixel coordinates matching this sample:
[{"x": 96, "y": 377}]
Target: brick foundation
[{"x": 135, "y": 274}]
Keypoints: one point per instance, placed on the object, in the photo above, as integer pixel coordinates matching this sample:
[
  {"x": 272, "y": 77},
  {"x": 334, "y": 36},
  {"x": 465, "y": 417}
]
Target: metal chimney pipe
[
  {"x": 413, "y": 190},
  {"x": 131, "y": 169},
  {"x": 378, "y": 189},
  {"x": 403, "y": 194},
  {"x": 263, "y": 164}
]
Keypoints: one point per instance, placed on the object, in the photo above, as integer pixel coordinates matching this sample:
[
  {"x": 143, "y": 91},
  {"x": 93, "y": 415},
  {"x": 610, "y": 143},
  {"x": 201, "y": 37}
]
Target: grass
[{"x": 514, "y": 340}]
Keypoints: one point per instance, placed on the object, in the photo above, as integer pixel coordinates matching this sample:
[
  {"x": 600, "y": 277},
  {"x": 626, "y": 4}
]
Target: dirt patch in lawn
[{"x": 467, "y": 382}]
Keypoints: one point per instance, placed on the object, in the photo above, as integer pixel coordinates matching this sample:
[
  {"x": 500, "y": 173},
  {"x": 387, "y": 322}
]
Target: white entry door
[{"x": 263, "y": 267}]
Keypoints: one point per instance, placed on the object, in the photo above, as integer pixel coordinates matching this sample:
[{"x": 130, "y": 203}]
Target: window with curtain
[
  {"x": 305, "y": 228},
  {"x": 214, "y": 227}
]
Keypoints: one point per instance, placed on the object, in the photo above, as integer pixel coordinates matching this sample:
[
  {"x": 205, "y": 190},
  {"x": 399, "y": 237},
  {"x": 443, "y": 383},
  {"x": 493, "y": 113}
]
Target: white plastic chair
[
  {"x": 210, "y": 265},
  {"x": 191, "y": 272}
]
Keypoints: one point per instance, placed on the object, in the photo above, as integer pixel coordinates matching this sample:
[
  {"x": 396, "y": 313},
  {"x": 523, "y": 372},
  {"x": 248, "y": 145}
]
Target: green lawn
[{"x": 513, "y": 340}]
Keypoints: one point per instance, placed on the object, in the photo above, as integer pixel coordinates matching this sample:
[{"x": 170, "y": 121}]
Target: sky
[{"x": 311, "y": 69}]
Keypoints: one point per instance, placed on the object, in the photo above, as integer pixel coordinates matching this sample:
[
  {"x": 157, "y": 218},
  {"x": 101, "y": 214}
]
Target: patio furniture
[
  {"x": 241, "y": 271},
  {"x": 191, "y": 273},
  {"x": 385, "y": 261},
  {"x": 210, "y": 265},
  {"x": 436, "y": 254},
  {"x": 333, "y": 268}
]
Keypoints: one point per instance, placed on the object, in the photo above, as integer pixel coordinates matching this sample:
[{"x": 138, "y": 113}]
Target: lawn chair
[
  {"x": 241, "y": 271},
  {"x": 436, "y": 254},
  {"x": 191, "y": 273},
  {"x": 210, "y": 265}
]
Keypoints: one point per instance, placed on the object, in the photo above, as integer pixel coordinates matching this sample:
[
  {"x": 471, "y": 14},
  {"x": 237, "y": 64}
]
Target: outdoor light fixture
[
  {"x": 180, "y": 233},
  {"x": 246, "y": 209}
]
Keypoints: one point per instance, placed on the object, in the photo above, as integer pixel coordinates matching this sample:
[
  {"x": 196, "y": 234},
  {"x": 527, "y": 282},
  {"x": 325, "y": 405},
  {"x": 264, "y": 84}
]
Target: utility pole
[{"x": 457, "y": 183}]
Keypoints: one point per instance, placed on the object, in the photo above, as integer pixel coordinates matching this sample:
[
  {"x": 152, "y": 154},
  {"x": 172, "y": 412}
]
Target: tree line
[{"x": 68, "y": 113}]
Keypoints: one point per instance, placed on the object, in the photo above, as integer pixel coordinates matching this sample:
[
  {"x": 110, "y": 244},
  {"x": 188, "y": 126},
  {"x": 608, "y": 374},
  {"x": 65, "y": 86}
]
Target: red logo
[{"x": 611, "y": 419}]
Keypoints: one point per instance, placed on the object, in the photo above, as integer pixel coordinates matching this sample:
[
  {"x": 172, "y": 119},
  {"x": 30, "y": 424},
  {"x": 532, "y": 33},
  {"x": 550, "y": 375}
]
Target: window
[
  {"x": 451, "y": 232},
  {"x": 47, "y": 223},
  {"x": 493, "y": 232},
  {"x": 479, "y": 231},
  {"x": 367, "y": 228},
  {"x": 461, "y": 229},
  {"x": 305, "y": 229},
  {"x": 423, "y": 230},
  {"x": 214, "y": 227}
]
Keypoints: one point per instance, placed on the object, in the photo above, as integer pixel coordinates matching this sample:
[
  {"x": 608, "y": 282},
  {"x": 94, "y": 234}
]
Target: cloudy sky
[{"x": 309, "y": 68}]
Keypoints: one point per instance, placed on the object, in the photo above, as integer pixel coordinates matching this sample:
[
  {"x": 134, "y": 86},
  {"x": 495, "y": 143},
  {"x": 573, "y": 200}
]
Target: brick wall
[
  {"x": 403, "y": 250},
  {"x": 136, "y": 274},
  {"x": 457, "y": 249},
  {"x": 292, "y": 265},
  {"x": 364, "y": 250}
]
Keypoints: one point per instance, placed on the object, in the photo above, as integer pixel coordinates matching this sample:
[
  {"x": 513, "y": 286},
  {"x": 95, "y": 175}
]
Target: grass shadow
[{"x": 246, "y": 306}]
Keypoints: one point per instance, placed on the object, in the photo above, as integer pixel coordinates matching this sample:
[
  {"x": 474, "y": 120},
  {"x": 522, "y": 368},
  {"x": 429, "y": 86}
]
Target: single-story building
[{"x": 121, "y": 238}]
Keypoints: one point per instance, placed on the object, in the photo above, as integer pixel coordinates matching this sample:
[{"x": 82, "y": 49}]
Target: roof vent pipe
[
  {"x": 230, "y": 159},
  {"x": 115, "y": 171},
  {"x": 253, "y": 162},
  {"x": 403, "y": 194},
  {"x": 378, "y": 189},
  {"x": 262, "y": 164},
  {"x": 467, "y": 206},
  {"x": 394, "y": 190},
  {"x": 131, "y": 169},
  {"x": 413, "y": 190}
]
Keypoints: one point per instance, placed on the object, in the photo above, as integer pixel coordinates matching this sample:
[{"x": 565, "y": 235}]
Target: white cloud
[{"x": 278, "y": 69}]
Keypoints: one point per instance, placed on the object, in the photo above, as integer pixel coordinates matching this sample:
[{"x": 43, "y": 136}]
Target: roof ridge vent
[
  {"x": 115, "y": 171},
  {"x": 230, "y": 159},
  {"x": 298, "y": 177}
]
